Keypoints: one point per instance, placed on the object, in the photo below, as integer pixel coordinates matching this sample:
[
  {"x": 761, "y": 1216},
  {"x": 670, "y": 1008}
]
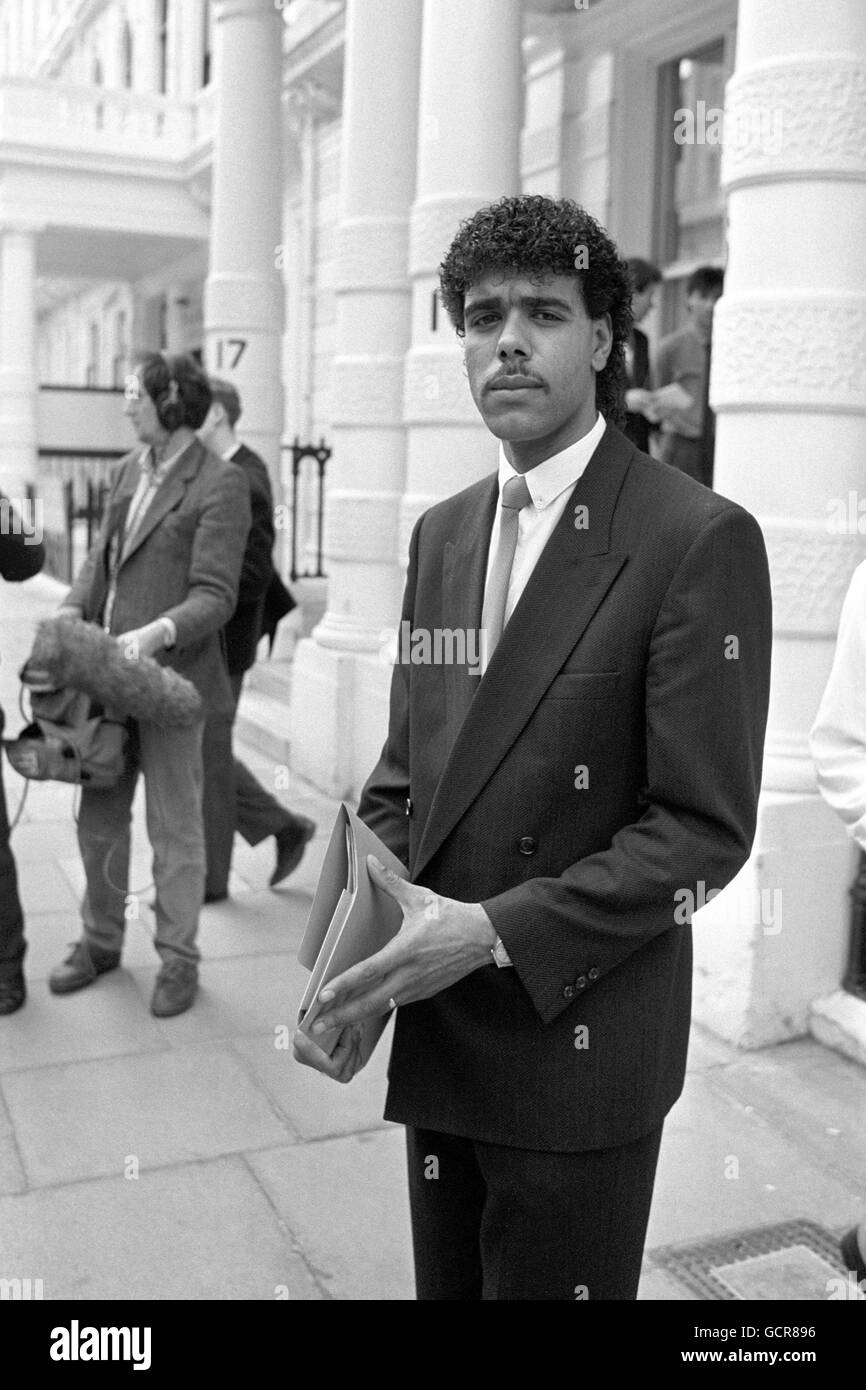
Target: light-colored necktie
[{"x": 515, "y": 496}]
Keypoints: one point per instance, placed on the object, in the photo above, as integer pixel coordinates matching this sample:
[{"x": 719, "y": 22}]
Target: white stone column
[
  {"x": 244, "y": 294},
  {"x": 144, "y": 45},
  {"x": 789, "y": 389},
  {"x": 339, "y": 695},
  {"x": 18, "y": 375},
  {"x": 471, "y": 112}
]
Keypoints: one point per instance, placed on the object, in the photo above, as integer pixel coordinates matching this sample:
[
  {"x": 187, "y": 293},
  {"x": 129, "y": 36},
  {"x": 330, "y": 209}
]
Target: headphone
[{"x": 170, "y": 409}]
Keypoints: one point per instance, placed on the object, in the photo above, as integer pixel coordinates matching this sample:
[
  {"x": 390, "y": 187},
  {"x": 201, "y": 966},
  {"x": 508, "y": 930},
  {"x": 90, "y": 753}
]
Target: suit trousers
[
  {"x": 12, "y": 944},
  {"x": 491, "y": 1223},
  {"x": 170, "y": 761},
  {"x": 233, "y": 799}
]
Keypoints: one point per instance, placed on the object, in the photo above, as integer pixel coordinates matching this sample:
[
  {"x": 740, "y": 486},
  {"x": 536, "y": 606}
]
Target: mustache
[{"x": 515, "y": 374}]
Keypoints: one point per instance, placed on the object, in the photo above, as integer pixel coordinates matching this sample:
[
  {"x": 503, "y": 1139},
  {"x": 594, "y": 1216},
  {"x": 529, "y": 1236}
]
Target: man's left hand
[{"x": 441, "y": 940}]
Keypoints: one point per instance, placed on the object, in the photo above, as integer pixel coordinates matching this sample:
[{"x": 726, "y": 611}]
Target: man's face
[
  {"x": 141, "y": 411},
  {"x": 532, "y": 355},
  {"x": 701, "y": 304},
  {"x": 642, "y": 301}
]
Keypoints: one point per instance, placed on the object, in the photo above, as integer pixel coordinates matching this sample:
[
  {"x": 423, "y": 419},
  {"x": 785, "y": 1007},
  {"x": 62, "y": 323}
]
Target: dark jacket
[
  {"x": 244, "y": 628},
  {"x": 617, "y": 661}
]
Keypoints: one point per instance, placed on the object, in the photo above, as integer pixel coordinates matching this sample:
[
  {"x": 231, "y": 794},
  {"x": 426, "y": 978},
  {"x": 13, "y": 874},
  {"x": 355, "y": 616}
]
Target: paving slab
[
  {"x": 345, "y": 1201},
  {"x": 43, "y": 887},
  {"x": 49, "y": 935},
  {"x": 238, "y": 995},
  {"x": 84, "y": 1120},
  {"x": 813, "y": 1097},
  {"x": 12, "y": 1175},
  {"x": 195, "y": 1231},
  {"x": 105, "y": 1020},
  {"x": 314, "y": 1105},
  {"x": 254, "y": 924},
  {"x": 724, "y": 1168}
]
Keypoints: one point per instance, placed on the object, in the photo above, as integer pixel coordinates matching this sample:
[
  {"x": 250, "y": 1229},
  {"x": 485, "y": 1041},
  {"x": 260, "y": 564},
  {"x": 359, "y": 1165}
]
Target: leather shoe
[
  {"x": 175, "y": 989},
  {"x": 81, "y": 967},
  {"x": 850, "y": 1247},
  {"x": 12, "y": 994},
  {"x": 291, "y": 844}
]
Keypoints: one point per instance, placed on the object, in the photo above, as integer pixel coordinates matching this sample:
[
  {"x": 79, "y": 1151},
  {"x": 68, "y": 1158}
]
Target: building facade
[{"x": 273, "y": 186}]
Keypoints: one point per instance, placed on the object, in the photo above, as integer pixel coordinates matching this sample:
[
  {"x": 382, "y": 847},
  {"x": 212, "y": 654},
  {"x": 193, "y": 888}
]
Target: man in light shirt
[
  {"x": 162, "y": 577},
  {"x": 838, "y": 747},
  {"x": 550, "y": 809}
]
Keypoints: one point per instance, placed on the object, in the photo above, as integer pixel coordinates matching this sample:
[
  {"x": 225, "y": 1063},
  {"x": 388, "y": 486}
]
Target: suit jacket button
[
  {"x": 527, "y": 845},
  {"x": 568, "y": 992},
  {"x": 409, "y": 806},
  {"x": 594, "y": 973},
  {"x": 580, "y": 982}
]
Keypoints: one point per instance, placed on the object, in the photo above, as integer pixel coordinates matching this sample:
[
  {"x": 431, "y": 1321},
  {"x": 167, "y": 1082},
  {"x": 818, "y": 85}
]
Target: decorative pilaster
[
  {"x": 789, "y": 388},
  {"x": 244, "y": 293},
  {"x": 468, "y": 154},
  {"x": 338, "y": 700}
]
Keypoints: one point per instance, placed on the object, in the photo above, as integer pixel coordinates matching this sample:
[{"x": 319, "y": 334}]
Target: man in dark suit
[
  {"x": 233, "y": 799},
  {"x": 22, "y": 555},
  {"x": 645, "y": 277},
  {"x": 551, "y": 809},
  {"x": 163, "y": 578}
]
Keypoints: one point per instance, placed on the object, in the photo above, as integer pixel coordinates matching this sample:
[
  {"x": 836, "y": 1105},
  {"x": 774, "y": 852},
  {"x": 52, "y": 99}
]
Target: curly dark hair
[{"x": 539, "y": 236}]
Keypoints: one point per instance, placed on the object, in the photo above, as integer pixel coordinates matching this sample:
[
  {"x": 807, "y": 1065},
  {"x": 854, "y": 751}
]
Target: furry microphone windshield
[{"x": 69, "y": 653}]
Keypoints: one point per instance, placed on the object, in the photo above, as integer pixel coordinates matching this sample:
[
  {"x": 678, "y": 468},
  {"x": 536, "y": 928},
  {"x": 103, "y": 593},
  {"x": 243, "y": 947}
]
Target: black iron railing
[{"x": 319, "y": 453}]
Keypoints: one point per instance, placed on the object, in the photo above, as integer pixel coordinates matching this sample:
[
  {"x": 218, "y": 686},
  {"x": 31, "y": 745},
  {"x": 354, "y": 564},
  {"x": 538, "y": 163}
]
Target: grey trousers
[
  {"x": 170, "y": 761},
  {"x": 233, "y": 799}
]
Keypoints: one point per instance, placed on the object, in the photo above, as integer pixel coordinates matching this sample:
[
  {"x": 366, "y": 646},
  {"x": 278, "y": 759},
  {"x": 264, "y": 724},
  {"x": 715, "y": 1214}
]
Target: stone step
[
  {"x": 262, "y": 722},
  {"x": 273, "y": 678}
]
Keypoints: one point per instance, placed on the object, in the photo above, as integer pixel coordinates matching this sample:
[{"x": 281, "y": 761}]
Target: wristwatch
[{"x": 499, "y": 953}]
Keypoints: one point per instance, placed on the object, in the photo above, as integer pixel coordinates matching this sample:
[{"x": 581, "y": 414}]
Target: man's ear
[{"x": 602, "y": 329}]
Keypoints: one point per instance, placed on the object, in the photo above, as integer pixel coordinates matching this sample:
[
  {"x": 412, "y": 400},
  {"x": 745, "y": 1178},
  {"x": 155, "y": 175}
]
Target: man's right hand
[{"x": 343, "y": 1063}]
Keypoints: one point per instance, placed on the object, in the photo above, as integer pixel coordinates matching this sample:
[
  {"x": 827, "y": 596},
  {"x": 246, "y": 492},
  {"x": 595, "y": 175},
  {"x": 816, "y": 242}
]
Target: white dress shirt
[
  {"x": 838, "y": 738},
  {"x": 549, "y": 486}
]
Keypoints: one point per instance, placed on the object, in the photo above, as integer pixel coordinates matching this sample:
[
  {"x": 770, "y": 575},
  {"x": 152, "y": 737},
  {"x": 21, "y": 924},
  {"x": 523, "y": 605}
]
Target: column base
[
  {"x": 775, "y": 941},
  {"x": 338, "y": 717},
  {"x": 839, "y": 1021}
]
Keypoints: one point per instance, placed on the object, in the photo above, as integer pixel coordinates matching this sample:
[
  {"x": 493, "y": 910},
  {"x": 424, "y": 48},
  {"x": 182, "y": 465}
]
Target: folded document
[{"x": 350, "y": 920}]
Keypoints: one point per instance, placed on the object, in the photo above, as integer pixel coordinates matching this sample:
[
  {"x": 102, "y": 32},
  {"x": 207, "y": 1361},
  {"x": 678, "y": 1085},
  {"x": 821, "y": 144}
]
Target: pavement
[{"x": 191, "y": 1158}]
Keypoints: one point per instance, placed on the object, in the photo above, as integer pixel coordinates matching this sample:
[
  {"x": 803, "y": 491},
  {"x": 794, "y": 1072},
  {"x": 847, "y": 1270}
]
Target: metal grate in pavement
[{"x": 790, "y": 1260}]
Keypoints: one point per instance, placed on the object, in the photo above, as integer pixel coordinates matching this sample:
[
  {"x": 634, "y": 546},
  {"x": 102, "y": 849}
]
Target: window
[
  {"x": 162, "y": 46},
  {"x": 690, "y": 212},
  {"x": 127, "y": 56},
  {"x": 206, "y": 54}
]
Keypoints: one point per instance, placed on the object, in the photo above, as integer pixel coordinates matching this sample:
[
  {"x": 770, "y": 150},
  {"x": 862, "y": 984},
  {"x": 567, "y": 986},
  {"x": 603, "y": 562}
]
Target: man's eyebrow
[{"x": 530, "y": 301}]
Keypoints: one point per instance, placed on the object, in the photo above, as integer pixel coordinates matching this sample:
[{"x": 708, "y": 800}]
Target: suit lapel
[
  {"x": 167, "y": 496},
  {"x": 464, "y": 566},
  {"x": 572, "y": 576}
]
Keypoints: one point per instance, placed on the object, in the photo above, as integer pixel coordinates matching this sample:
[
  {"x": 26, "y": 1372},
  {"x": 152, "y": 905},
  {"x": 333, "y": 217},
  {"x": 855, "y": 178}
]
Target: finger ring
[{"x": 392, "y": 1004}]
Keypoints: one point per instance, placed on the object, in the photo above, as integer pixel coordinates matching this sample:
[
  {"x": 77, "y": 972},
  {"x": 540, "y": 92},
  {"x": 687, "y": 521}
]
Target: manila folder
[{"x": 350, "y": 920}]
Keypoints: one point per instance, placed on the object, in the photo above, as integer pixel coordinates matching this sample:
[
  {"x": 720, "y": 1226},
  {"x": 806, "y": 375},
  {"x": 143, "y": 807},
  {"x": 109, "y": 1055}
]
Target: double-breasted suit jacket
[
  {"x": 609, "y": 757},
  {"x": 183, "y": 562}
]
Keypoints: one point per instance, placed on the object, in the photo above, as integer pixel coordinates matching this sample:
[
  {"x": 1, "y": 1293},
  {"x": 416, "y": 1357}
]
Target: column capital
[
  {"x": 310, "y": 101},
  {"x": 248, "y": 9}
]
